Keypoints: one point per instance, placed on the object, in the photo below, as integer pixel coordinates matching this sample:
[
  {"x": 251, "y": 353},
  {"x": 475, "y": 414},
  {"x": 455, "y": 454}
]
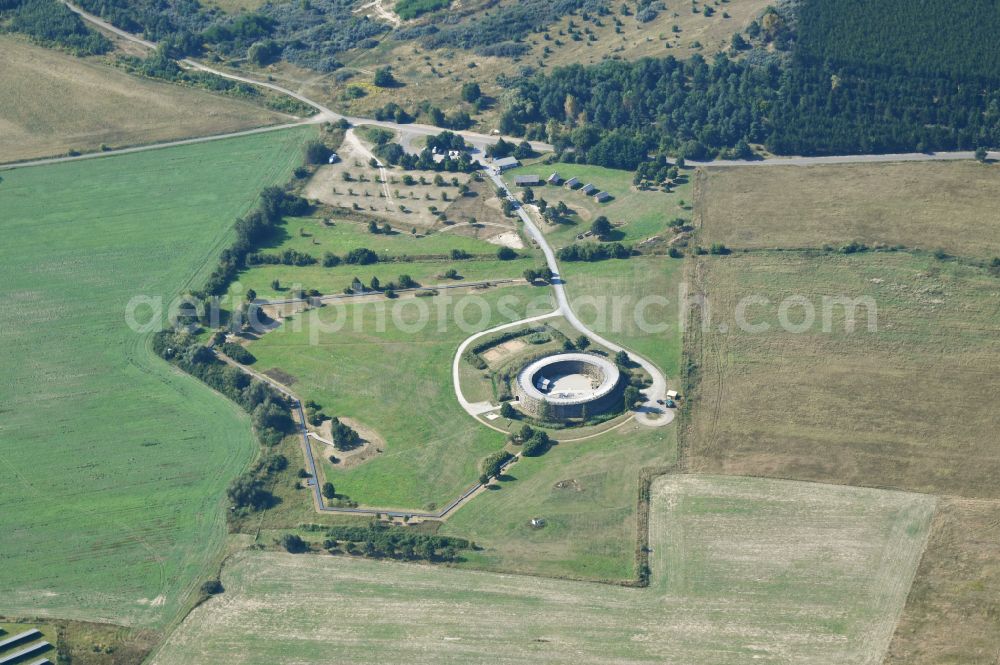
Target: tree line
[{"x": 381, "y": 541}]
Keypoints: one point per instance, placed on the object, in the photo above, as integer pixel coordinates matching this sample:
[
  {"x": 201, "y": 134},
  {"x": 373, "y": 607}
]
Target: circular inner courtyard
[{"x": 573, "y": 385}]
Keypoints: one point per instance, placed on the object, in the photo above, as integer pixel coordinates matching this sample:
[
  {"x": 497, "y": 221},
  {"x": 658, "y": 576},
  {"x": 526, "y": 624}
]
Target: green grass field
[
  {"x": 396, "y": 381},
  {"x": 634, "y": 302},
  {"x": 744, "y": 570},
  {"x": 637, "y": 215},
  {"x": 592, "y": 518},
  {"x": 586, "y": 491},
  {"x": 115, "y": 464},
  {"x": 345, "y": 235}
]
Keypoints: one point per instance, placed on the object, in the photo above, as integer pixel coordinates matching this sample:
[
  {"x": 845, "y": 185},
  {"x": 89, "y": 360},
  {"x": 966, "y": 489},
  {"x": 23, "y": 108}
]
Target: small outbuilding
[
  {"x": 526, "y": 180},
  {"x": 573, "y": 183},
  {"x": 505, "y": 163},
  {"x": 673, "y": 394},
  {"x": 589, "y": 189},
  {"x": 601, "y": 197},
  {"x": 555, "y": 179}
]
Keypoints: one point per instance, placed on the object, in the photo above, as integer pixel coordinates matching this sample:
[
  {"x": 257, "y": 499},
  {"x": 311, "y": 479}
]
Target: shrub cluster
[
  {"x": 380, "y": 540},
  {"x": 594, "y": 252},
  {"x": 51, "y": 23},
  {"x": 493, "y": 464}
]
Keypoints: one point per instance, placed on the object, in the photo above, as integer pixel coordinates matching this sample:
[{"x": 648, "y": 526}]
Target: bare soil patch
[
  {"x": 281, "y": 376},
  {"x": 372, "y": 444},
  {"x": 498, "y": 353},
  {"x": 507, "y": 239},
  {"x": 573, "y": 485}
]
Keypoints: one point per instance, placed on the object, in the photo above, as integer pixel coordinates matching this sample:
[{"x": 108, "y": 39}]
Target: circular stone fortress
[{"x": 572, "y": 384}]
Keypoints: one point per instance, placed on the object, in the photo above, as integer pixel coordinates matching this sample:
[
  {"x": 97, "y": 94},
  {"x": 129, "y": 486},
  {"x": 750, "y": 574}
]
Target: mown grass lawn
[
  {"x": 312, "y": 236},
  {"x": 388, "y": 365},
  {"x": 636, "y": 214},
  {"x": 115, "y": 465},
  {"x": 334, "y": 280}
]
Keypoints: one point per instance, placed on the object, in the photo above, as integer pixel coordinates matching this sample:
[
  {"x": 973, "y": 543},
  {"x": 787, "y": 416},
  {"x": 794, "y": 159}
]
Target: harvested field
[
  {"x": 818, "y": 574},
  {"x": 53, "y": 103},
  {"x": 952, "y": 614},
  {"x": 929, "y": 205},
  {"x": 909, "y": 406}
]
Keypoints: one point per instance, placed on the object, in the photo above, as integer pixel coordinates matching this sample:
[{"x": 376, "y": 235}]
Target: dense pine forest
[
  {"x": 928, "y": 37},
  {"x": 874, "y": 88}
]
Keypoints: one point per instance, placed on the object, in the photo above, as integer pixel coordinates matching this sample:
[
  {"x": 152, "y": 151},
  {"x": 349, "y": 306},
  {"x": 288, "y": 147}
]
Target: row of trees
[
  {"x": 593, "y": 252},
  {"x": 258, "y": 225},
  {"x": 268, "y": 408},
  {"x": 379, "y": 540}
]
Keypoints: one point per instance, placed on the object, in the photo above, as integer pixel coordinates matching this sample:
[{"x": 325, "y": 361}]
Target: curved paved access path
[{"x": 650, "y": 413}]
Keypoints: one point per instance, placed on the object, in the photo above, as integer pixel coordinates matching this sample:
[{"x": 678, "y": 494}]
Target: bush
[
  {"x": 361, "y": 256},
  {"x": 329, "y": 491},
  {"x": 238, "y": 353},
  {"x": 212, "y": 587},
  {"x": 384, "y": 78},
  {"x": 494, "y": 463},
  {"x": 631, "y": 397},
  {"x": 293, "y": 543},
  {"x": 537, "y": 445},
  {"x": 317, "y": 152},
  {"x": 506, "y": 254},
  {"x": 507, "y": 411}
]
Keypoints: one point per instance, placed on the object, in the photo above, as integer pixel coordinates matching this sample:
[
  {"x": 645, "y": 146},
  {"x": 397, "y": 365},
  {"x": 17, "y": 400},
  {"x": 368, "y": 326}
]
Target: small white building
[{"x": 673, "y": 394}]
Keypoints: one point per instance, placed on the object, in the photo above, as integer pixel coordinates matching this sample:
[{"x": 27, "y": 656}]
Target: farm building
[
  {"x": 601, "y": 197},
  {"x": 573, "y": 183},
  {"x": 525, "y": 180},
  {"x": 506, "y": 163},
  {"x": 555, "y": 179},
  {"x": 589, "y": 189}
]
